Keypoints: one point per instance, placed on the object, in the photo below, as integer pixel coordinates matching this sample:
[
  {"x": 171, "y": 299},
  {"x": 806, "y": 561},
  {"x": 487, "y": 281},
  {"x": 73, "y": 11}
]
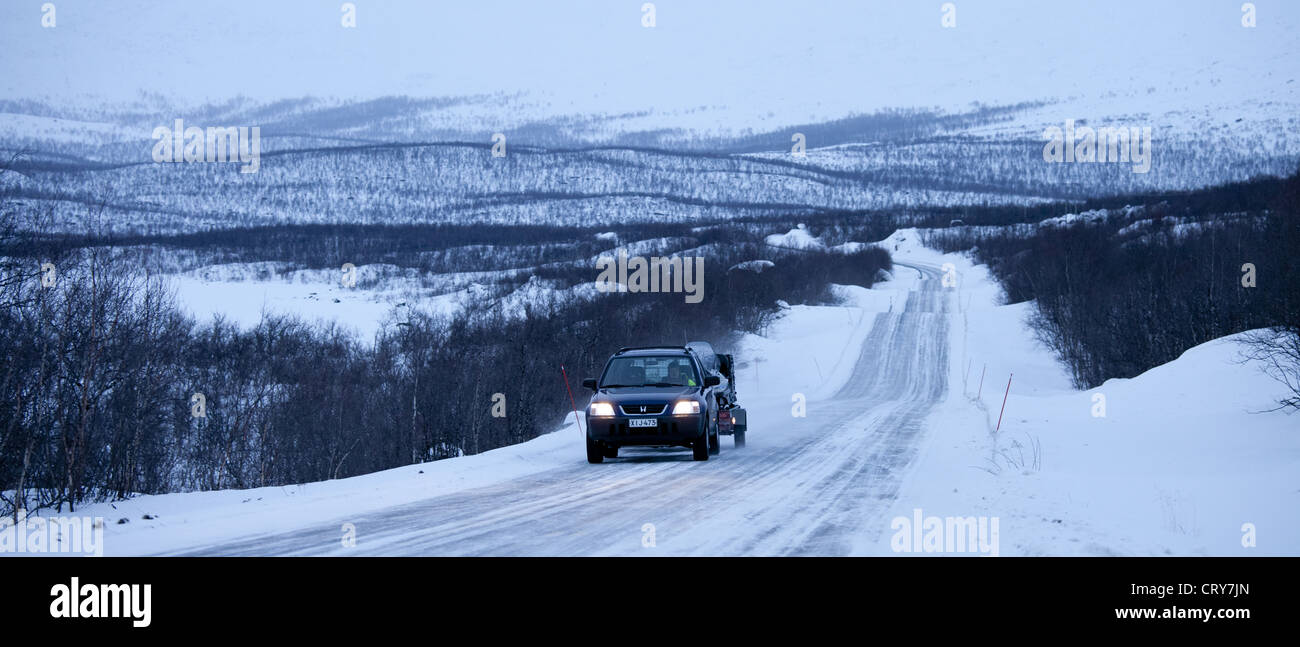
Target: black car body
[{"x": 663, "y": 396}]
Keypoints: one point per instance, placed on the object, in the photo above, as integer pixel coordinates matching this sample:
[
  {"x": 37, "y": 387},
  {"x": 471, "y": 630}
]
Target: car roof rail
[{"x": 628, "y": 348}]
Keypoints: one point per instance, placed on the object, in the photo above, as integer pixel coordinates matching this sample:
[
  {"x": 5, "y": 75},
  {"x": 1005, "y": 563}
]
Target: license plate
[{"x": 643, "y": 422}]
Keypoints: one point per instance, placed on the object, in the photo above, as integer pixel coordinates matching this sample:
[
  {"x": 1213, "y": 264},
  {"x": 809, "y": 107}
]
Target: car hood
[{"x": 645, "y": 394}]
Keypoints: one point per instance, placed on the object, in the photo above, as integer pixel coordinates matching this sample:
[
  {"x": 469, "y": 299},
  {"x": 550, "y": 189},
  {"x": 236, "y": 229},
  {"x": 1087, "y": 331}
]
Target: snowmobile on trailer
[{"x": 732, "y": 419}]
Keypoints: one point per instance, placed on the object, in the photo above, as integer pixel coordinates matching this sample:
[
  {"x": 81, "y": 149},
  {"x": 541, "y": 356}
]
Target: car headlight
[
  {"x": 686, "y": 408},
  {"x": 601, "y": 410}
]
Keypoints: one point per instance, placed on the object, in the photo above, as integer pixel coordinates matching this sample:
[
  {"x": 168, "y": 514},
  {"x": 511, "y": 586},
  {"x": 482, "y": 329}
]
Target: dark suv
[{"x": 658, "y": 396}]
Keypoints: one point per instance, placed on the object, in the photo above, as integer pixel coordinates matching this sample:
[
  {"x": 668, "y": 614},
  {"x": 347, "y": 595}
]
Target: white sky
[{"x": 804, "y": 59}]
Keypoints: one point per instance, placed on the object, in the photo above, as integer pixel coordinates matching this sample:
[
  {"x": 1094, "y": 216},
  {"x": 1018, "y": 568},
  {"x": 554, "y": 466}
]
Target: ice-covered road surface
[{"x": 814, "y": 485}]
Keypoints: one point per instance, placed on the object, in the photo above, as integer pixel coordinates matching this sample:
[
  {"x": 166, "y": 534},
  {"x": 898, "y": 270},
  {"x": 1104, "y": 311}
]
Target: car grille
[{"x": 642, "y": 409}]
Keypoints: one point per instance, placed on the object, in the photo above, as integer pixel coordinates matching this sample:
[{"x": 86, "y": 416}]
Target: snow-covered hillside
[{"x": 900, "y": 106}]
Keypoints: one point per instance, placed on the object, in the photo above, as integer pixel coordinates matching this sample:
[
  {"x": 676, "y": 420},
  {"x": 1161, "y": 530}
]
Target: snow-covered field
[
  {"x": 319, "y": 297},
  {"x": 1185, "y": 455},
  {"x": 244, "y": 303}
]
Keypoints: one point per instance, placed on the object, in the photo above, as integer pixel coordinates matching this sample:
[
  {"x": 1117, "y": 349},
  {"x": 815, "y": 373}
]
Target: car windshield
[{"x": 669, "y": 370}]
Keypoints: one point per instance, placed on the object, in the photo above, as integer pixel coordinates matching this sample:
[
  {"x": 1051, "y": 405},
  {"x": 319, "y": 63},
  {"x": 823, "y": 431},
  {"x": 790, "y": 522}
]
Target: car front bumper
[{"x": 669, "y": 430}]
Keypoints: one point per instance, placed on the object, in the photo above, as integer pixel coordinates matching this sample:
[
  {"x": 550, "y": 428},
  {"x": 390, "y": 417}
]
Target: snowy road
[{"x": 814, "y": 485}]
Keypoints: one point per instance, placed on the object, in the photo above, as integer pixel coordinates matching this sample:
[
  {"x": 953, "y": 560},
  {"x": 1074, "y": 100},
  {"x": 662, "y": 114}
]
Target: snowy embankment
[
  {"x": 1177, "y": 462},
  {"x": 159, "y": 524}
]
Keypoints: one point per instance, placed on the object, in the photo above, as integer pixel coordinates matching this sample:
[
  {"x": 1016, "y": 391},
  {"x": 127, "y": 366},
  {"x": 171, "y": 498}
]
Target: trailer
[{"x": 732, "y": 419}]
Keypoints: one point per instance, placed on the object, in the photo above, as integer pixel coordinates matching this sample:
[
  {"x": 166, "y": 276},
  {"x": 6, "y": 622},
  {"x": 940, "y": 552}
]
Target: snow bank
[
  {"x": 752, "y": 266},
  {"x": 797, "y": 238},
  {"x": 195, "y": 519},
  {"x": 1184, "y": 457},
  {"x": 800, "y": 238}
]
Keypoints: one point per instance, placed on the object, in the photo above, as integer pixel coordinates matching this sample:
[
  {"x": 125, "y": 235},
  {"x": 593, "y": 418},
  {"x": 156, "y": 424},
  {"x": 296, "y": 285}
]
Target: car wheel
[
  {"x": 738, "y": 438},
  {"x": 700, "y": 448},
  {"x": 715, "y": 442},
  {"x": 595, "y": 454}
]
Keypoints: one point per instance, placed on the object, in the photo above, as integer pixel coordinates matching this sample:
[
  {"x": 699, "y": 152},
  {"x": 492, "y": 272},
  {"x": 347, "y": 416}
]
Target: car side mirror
[
  {"x": 590, "y": 383},
  {"x": 712, "y": 380}
]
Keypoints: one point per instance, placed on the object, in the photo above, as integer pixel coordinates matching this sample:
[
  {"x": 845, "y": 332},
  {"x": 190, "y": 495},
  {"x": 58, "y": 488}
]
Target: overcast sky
[{"x": 823, "y": 58}]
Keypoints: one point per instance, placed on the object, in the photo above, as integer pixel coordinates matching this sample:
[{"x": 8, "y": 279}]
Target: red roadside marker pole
[
  {"x": 981, "y": 391},
  {"x": 1004, "y": 402},
  {"x": 573, "y": 402}
]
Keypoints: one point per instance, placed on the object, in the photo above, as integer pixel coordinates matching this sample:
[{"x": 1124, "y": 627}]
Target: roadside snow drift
[{"x": 1189, "y": 458}]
